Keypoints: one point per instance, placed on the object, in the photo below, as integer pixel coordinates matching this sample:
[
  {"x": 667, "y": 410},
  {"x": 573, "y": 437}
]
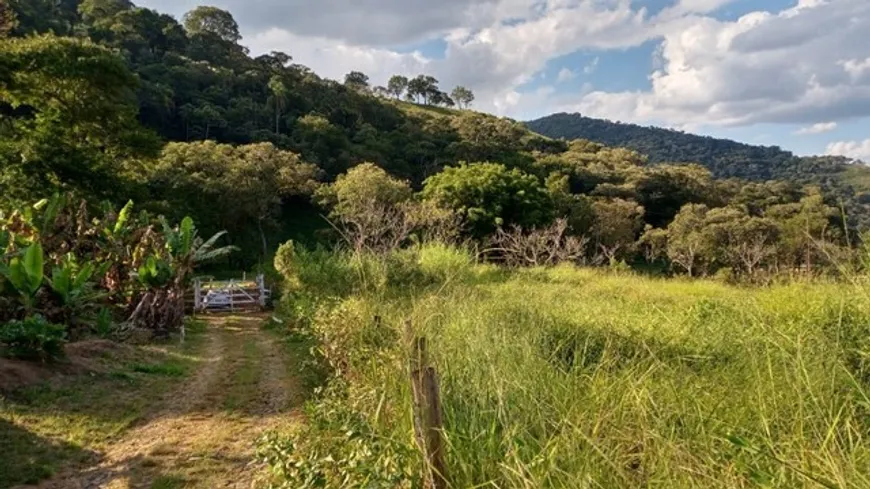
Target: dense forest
[
  {"x": 116, "y": 102},
  {"x": 842, "y": 180}
]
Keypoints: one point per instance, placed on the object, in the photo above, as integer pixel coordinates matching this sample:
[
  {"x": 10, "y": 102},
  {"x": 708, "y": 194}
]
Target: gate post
[
  {"x": 197, "y": 295},
  {"x": 261, "y": 285}
]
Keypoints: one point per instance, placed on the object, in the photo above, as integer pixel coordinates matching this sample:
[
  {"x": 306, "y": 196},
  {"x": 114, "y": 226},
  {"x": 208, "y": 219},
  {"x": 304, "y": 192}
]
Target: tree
[
  {"x": 356, "y": 80},
  {"x": 616, "y": 226},
  {"x": 664, "y": 190},
  {"x": 688, "y": 246},
  {"x": 353, "y": 191},
  {"x": 462, "y": 96},
  {"x": 8, "y": 19},
  {"x": 277, "y": 99},
  {"x": 212, "y": 21},
  {"x": 423, "y": 87},
  {"x": 369, "y": 208},
  {"x": 397, "y": 86},
  {"x": 74, "y": 121},
  {"x": 275, "y": 60},
  {"x": 806, "y": 227},
  {"x": 489, "y": 196},
  {"x": 231, "y": 187}
]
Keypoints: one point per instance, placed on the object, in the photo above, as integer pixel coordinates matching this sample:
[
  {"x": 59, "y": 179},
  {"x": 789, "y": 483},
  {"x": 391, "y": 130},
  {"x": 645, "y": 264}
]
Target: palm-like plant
[{"x": 161, "y": 308}]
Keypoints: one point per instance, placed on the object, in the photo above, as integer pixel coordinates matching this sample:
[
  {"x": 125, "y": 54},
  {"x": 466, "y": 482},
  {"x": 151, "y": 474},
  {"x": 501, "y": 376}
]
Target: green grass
[
  {"x": 243, "y": 383},
  {"x": 575, "y": 378},
  {"x": 48, "y": 426}
]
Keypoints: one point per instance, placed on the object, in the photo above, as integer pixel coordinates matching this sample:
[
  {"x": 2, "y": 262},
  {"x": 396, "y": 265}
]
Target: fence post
[
  {"x": 232, "y": 293},
  {"x": 261, "y": 285},
  {"x": 197, "y": 296},
  {"x": 428, "y": 417}
]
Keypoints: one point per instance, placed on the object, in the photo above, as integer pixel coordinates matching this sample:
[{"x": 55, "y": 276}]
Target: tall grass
[{"x": 574, "y": 378}]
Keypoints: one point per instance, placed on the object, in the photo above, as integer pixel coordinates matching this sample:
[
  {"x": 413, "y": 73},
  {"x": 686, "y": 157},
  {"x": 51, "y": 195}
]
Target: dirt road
[{"x": 202, "y": 435}]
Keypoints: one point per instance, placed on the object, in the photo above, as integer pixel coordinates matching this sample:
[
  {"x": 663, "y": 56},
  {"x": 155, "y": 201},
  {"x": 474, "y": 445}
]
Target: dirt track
[{"x": 202, "y": 435}]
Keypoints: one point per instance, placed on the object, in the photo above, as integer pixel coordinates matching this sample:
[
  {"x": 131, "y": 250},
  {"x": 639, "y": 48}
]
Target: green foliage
[
  {"x": 74, "y": 121},
  {"x": 25, "y": 273},
  {"x": 212, "y": 21},
  {"x": 463, "y": 97},
  {"x": 33, "y": 338},
  {"x": 78, "y": 271},
  {"x": 549, "y": 376},
  {"x": 840, "y": 180},
  {"x": 360, "y": 188},
  {"x": 337, "y": 448},
  {"x": 239, "y": 189},
  {"x": 489, "y": 195}
]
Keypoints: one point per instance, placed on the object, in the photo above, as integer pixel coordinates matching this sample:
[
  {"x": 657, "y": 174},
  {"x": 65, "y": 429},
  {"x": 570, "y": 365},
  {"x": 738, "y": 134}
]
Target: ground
[{"x": 215, "y": 396}]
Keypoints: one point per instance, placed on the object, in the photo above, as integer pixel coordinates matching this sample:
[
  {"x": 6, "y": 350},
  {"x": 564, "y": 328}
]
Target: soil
[
  {"x": 80, "y": 358},
  {"x": 203, "y": 434}
]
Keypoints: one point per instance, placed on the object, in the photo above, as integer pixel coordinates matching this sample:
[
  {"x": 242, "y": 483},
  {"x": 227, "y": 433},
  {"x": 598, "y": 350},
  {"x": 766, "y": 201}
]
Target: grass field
[{"x": 575, "y": 378}]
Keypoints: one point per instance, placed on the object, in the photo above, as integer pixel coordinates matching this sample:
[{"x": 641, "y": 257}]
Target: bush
[
  {"x": 33, "y": 338},
  {"x": 489, "y": 195}
]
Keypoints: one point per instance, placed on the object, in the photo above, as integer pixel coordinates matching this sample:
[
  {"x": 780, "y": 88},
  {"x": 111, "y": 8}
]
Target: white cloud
[
  {"x": 566, "y": 75},
  {"x": 592, "y": 66},
  {"x": 817, "y": 128},
  {"x": 760, "y": 68},
  {"x": 859, "y": 150}
]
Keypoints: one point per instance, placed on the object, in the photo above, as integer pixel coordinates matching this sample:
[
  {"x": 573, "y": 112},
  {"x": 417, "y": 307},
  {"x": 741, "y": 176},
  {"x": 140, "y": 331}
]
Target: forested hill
[{"x": 725, "y": 158}]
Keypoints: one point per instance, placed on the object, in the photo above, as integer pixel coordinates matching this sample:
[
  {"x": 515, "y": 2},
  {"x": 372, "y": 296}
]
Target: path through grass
[{"x": 189, "y": 419}]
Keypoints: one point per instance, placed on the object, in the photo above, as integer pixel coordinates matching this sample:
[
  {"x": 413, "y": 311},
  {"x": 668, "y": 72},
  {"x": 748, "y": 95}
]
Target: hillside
[{"x": 724, "y": 158}]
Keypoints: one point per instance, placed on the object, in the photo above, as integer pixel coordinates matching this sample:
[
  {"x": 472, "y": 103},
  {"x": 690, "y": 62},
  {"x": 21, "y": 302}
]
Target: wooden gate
[{"x": 230, "y": 295}]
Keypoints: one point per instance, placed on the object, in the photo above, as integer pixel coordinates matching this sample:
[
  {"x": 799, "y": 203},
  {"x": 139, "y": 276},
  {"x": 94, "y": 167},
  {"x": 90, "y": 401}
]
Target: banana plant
[
  {"x": 73, "y": 284},
  {"x": 155, "y": 272},
  {"x": 25, "y": 273},
  {"x": 188, "y": 250}
]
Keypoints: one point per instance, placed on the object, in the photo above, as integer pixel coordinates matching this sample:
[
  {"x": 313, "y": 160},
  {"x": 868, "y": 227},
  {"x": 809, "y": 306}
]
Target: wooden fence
[{"x": 229, "y": 295}]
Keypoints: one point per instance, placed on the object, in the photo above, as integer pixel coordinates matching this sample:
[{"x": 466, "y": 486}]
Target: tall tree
[
  {"x": 462, "y": 96},
  {"x": 278, "y": 99},
  {"x": 423, "y": 87},
  {"x": 206, "y": 20},
  {"x": 397, "y": 86},
  {"x": 356, "y": 80}
]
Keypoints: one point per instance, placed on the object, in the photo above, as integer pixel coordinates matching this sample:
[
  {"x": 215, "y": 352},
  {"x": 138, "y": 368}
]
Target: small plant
[
  {"x": 104, "y": 324},
  {"x": 25, "y": 274},
  {"x": 33, "y": 338}
]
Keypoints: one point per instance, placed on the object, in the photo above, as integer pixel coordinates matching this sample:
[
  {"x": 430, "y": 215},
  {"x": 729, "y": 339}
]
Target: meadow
[{"x": 568, "y": 377}]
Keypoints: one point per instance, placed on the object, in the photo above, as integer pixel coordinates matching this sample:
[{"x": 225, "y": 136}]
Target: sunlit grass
[{"x": 575, "y": 378}]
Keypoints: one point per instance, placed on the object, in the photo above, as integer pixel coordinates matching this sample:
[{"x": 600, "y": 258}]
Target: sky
[{"x": 790, "y": 73}]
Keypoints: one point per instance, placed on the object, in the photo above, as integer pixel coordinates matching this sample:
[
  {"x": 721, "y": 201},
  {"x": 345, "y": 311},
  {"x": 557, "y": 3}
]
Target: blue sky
[{"x": 791, "y": 73}]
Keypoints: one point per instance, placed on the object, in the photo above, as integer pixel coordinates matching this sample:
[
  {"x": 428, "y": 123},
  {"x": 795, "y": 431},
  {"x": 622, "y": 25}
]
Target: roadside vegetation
[{"x": 570, "y": 377}]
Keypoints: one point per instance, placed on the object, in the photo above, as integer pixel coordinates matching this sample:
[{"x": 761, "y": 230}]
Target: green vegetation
[
  {"x": 842, "y": 181},
  {"x": 567, "y": 377},
  {"x": 64, "y": 274},
  {"x": 47, "y": 427}
]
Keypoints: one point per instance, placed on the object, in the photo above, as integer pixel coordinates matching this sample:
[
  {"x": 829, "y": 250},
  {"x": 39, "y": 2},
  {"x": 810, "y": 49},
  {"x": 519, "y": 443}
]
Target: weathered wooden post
[
  {"x": 197, "y": 296},
  {"x": 428, "y": 418},
  {"x": 261, "y": 285}
]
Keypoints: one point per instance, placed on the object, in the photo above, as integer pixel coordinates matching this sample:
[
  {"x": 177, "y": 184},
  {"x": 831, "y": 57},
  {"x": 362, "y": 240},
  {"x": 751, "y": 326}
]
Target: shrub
[
  {"x": 489, "y": 195},
  {"x": 33, "y": 338}
]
